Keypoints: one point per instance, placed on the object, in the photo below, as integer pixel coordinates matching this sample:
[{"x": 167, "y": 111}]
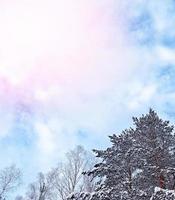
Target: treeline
[
  {"x": 139, "y": 165},
  {"x": 57, "y": 184},
  {"x": 64, "y": 179}
]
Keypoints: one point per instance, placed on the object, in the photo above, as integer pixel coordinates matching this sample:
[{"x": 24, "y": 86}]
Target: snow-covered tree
[
  {"x": 156, "y": 140},
  {"x": 139, "y": 160}
]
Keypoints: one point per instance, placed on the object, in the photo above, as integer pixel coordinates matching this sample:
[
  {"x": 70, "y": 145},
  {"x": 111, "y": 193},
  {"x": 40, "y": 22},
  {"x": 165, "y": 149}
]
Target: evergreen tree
[
  {"x": 139, "y": 160},
  {"x": 157, "y": 142}
]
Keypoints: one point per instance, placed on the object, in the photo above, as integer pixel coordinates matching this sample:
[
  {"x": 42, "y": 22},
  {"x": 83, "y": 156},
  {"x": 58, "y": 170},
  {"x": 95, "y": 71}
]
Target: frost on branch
[{"x": 162, "y": 194}]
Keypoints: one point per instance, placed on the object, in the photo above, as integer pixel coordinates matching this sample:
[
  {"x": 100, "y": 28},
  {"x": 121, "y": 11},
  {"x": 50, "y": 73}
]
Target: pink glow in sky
[
  {"x": 58, "y": 36},
  {"x": 65, "y": 62},
  {"x": 53, "y": 46},
  {"x": 74, "y": 71}
]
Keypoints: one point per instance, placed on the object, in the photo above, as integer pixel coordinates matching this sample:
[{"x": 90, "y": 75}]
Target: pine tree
[
  {"x": 156, "y": 139},
  {"x": 139, "y": 160}
]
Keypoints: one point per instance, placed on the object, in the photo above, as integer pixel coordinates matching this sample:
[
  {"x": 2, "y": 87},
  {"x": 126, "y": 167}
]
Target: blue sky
[{"x": 77, "y": 76}]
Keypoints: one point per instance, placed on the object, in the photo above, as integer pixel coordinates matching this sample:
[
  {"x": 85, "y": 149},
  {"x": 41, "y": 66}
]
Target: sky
[{"x": 74, "y": 72}]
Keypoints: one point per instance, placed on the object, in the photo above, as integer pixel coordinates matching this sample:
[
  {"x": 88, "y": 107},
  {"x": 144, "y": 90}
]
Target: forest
[{"x": 139, "y": 165}]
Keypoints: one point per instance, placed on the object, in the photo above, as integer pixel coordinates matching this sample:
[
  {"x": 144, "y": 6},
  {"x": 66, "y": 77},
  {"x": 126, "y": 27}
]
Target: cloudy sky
[{"x": 75, "y": 71}]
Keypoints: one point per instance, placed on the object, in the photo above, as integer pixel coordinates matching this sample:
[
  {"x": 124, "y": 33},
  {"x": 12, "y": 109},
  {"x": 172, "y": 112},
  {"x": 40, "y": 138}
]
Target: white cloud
[
  {"x": 166, "y": 55},
  {"x": 77, "y": 68},
  {"x": 141, "y": 95},
  {"x": 45, "y": 139}
]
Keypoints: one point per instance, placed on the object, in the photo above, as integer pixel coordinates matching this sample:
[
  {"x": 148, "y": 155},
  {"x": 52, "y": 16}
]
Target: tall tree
[
  {"x": 156, "y": 139},
  {"x": 139, "y": 160},
  {"x": 65, "y": 179},
  {"x": 10, "y": 179},
  {"x": 42, "y": 189},
  {"x": 68, "y": 175}
]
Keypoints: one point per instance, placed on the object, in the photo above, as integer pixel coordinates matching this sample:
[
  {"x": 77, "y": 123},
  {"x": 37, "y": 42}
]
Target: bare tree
[
  {"x": 10, "y": 179},
  {"x": 42, "y": 188},
  {"x": 69, "y": 176},
  {"x": 65, "y": 179}
]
